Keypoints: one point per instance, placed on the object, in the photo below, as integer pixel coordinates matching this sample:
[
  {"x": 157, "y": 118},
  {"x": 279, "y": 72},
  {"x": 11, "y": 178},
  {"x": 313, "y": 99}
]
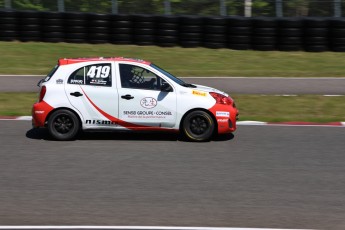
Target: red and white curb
[
  {"x": 240, "y": 123},
  {"x": 292, "y": 123}
]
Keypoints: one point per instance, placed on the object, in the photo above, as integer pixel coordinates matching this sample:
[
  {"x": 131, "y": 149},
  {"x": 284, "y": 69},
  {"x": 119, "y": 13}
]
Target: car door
[
  {"x": 141, "y": 100},
  {"x": 92, "y": 91}
]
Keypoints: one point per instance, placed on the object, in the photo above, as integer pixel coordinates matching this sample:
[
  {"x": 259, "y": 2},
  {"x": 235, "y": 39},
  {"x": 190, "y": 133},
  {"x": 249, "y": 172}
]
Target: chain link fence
[{"x": 249, "y": 8}]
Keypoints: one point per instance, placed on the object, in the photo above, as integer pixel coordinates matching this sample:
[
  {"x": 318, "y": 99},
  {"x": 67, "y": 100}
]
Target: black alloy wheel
[
  {"x": 198, "y": 126},
  {"x": 63, "y": 125}
]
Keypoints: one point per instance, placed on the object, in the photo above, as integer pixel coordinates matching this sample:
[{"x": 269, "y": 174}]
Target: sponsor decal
[
  {"x": 222, "y": 114},
  {"x": 59, "y": 81},
  {"x": 148, "y": 102},
  {"x": 39, "y": 112},
  {"x": 147, "y": 114},
  {"x": 77, "y": 82},
  {"x": 222, "y": 120},
  {"x": 98, "y": 82},
  {"x": 100, "y": 122},
  {"x": 199, "y": 93}
]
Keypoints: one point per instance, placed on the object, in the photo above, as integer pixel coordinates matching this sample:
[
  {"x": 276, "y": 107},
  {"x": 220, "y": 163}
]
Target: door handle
[
  {"x": 127, "y": 97},
  {"x": 76, "y": 94}
]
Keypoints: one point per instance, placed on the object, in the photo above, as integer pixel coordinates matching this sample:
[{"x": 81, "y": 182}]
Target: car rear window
[{"x": 51, "y": 73}]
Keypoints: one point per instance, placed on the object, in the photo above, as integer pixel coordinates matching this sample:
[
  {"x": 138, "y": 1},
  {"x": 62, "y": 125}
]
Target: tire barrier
[
  {"x": 289, "y": 34},
  {"x": 264, "y": 33},
  {"x": 29, "y": 26},
  {"x": 337, "y": 34},
  {"x": 144, "y": 30},
  {"x": 190, "y": 31},
  {"x": 167, "y": 31},
  {"x": 121, "y": 29},
  {"x": 214, "y": 32},
  {"x": 316, "y": 34},
  {"x": 75, "y": 28},
  {"x": 239, "y": 33},
  {"x": 53, "y": 27},
  {"x": 8, "y": 26}
]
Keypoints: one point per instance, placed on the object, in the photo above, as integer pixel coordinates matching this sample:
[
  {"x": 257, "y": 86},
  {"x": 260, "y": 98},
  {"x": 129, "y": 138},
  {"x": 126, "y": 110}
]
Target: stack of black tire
[
  {"x": 290, "y": 34},
  {"x": 29, "y": 26},
  {"x": 121, "y": 29},
  {"x": 239, "y": 30},
  {"x": 214, "y": 33},
  {"x": 190, "y": 31},
  {"x": 98, "y": 28},
  {"x": 144, "y": 30},
  {"x": 316, "y": 34},
  {"x": 75, "y": 25},
  {"x": 239, "y": 33},
  {"x": 8, "y": 26},
  {"x": 166, "y": 31},
  {"x": 52, "y": 27},
  {"x": 337, "y": 34},
  {"x": 264, "y": 34}
]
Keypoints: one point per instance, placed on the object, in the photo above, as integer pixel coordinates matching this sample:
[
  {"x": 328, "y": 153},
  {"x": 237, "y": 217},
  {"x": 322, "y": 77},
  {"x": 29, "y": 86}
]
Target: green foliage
[
  {"x": 291, "y": 8},
  {"x": 28, "y": 5}
]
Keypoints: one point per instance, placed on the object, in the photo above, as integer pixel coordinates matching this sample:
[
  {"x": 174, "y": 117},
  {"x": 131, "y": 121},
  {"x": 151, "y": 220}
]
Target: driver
[{"x": 130, "y": 80}]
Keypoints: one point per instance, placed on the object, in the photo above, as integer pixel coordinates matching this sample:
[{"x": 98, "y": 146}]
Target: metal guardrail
[{"x": 248, "y": 8}]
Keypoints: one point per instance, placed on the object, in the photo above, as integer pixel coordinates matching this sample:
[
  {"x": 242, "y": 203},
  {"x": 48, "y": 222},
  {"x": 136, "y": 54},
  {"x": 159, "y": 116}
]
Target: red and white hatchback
[{"x": 128, "y": 94}]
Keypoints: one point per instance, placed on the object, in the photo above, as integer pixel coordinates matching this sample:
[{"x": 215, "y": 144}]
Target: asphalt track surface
[
  {"x": 262, "y": 176},
  {"x": 321, "y": 86}
]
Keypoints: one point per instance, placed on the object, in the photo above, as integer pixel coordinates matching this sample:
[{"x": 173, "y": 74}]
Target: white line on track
[{"x": 138, "y": 227}]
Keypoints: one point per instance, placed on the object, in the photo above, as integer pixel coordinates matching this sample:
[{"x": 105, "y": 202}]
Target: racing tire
[
  {"x": 239, "y": 22},
  {"x": 264, "y": 22},
  {"x": 290, "y": 23},
  {"x": 240, "y": 31},
  {"x": 189, "y": 43},
  {"x": 198, "y": 126},
  {"x": 239, "y": 46},
  {"x": 239, "y": 39},
  {"x": 167, "y": 26},
  {"x": 63, "y": 125}
]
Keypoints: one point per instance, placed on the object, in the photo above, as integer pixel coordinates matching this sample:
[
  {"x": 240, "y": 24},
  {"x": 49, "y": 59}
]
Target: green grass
[
  {"x": 17, "y": 104},
  {"x": 39, "y": 58},
  {"x": 311, "y": 108}
]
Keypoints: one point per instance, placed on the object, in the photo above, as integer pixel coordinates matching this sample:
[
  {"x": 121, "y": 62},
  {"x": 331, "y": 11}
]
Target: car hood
[{"x": 209, "y": 89}]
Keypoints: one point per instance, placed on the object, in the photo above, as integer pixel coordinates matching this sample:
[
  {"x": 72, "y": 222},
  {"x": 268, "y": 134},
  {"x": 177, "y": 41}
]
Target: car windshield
[{"x": 172, "y": 77}]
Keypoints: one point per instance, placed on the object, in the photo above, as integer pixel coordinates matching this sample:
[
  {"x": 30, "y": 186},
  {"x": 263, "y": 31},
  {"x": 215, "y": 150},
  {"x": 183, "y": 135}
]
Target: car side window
[
  {"x": 97, "y": 75},
  {"x": 136, "y": 77}
]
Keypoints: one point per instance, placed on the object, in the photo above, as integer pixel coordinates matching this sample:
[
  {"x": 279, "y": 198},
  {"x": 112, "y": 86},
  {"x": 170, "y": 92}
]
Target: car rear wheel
[
  {"x": 198, "y": 126},
  {"x": 63, "y": 125}
]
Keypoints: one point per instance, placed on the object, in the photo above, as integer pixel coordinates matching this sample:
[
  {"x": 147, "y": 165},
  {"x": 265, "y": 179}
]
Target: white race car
[{"x": 128, "y": 94}]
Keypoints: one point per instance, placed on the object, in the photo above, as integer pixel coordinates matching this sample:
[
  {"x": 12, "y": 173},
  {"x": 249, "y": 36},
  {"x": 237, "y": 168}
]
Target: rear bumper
[{"x": 40, "y": 111}]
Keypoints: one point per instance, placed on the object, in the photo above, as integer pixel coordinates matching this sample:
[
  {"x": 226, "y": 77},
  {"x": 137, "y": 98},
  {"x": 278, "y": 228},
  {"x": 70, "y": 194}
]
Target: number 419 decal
[{"x": 99, "y": 71}]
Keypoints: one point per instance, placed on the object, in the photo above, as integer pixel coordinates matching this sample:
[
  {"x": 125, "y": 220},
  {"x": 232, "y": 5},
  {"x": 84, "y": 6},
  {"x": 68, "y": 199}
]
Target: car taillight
[
  {"x": 221, "y": 99},
  {"x": 42, "y": 93}
]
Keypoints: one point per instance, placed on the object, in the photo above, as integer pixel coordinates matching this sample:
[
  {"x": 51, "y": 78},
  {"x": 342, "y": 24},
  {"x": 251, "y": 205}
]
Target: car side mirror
[{"x": 165, "y": 87}]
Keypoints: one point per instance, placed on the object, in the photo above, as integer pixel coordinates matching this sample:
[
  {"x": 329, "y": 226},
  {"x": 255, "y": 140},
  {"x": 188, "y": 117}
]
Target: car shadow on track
[{"x": 43, "y": 134}]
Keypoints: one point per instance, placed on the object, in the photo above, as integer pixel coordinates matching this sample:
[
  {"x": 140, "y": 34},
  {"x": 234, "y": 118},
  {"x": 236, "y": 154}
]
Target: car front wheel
[
  {"x": 63, "y": 125},
  {"x": 198, "y": 126}
]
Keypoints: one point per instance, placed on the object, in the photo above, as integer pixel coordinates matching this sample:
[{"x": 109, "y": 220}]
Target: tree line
[{"x": 291, "y": 8}]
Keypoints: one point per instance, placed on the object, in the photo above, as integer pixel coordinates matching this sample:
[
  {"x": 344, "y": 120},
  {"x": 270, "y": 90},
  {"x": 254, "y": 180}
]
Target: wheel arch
[
  {"x": 65, "y": 108},
  {"x": 200, "y": 109}
]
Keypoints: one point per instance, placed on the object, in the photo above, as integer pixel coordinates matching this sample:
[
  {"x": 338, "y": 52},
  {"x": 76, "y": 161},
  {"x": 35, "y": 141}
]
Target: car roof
[{"x": 68, "y": 61}]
